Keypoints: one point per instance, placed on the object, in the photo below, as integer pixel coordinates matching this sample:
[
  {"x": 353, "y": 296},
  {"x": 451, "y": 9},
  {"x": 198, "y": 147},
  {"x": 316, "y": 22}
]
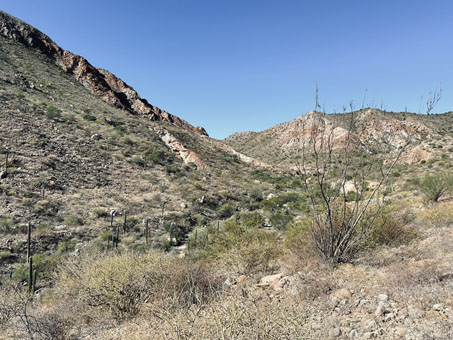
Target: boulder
[{"x": 267, "y": 280}]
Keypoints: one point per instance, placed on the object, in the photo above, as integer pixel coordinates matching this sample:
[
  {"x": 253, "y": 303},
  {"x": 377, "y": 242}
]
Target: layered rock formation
[{"x": 98, "y": 81}]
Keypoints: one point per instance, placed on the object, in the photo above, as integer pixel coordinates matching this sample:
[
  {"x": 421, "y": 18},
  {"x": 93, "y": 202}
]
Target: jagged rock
[{"x": 100, "y": 82}]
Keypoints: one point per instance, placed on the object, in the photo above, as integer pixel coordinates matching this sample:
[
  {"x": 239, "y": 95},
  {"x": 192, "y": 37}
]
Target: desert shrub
[
  {"x": 45, "y": 265},
  {"x": 244, "y": 250},
  {"x": 156, "y": 156},
  {"x": 121, "y": 284},
  {"x": 256, "y": 194},
  {"x": 440, "y": 215},
  {"x": 387, "y": 229},
  {"x": 100, "y": 213},
  {"x": 252, "y": 220},
  {"x": 27, "y": 319},
  {"x": 434, "y": 186},
  {"x": 226, "y": 210},
  {"x": 89, "y": 117},
  {"x": 6, "y": 224},
  {"x": 73, "y": 220},
  {"x": 280, "y": 219},
  {"x": 137, "y": 160},
  {"x": 53, "y": 113},
  {"x": 298, "y": 241}
]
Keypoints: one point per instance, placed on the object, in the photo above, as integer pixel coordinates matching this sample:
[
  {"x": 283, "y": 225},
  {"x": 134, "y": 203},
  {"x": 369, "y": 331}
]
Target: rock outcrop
[{"x": 98, "y": 81}]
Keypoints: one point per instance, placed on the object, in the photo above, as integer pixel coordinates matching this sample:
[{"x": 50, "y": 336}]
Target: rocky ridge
[
  {"x": 282, "y": 142},
  {"x": 100, "y": 82}
]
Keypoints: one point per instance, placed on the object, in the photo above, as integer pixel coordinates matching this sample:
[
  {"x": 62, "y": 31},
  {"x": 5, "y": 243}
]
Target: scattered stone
[
  {"x": 60, "y": 227},
  {"x": 183, "y": 206},
  {"x": 96, "y": 136},
  {"x": 352, "y": 334},
  {"x": 438, "y": 307},
  {"x": 267, "y": 280},
  {"x": 334, "y": 333},
  {"x": 380, "y": 310},
  {"x": 340, "y": 294},
  {"x": 242, "y": 280},
  {"x": 3, "y": 174},
  {"x": 383, "y": 297},
  {"x": 227, "y": 282},
  {"x": 400, "y": 331}
]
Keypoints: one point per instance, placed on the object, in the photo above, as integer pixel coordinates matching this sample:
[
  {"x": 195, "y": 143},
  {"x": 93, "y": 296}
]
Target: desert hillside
[{"x": 119, "y": 220}]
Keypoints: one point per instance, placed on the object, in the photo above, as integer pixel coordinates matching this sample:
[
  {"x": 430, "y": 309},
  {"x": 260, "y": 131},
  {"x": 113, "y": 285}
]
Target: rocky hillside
[
  {"x": 77, "y": 143},
  {"x": 100, "y": 82},
  {"x": 282, "y": 144}
]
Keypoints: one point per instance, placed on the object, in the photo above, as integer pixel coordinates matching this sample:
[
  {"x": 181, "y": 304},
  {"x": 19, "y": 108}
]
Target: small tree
[
  {"x": 334, "y": 162},
  {"x": 435, "y": 186}
]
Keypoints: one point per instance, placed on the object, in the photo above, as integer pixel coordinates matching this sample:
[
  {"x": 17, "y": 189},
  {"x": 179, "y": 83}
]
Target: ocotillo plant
[{"x": 218, "y": 227}]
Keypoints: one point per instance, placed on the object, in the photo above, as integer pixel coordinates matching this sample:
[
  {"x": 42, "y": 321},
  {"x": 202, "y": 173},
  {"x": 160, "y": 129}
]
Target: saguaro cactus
[
  {"x": 29, "y": 226},
  {"x": 6, "y": 163},
  {"x": 147, "y": 231},
  {"x": 30, "y": 275},
  {"x": 125, "y": 222}
]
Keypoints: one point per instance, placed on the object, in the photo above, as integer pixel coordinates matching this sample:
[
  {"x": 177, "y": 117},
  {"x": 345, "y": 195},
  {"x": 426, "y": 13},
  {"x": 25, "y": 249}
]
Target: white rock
[
  {"x": 438, "y": 307},
  {"x": 383, "y": 297},
  {"x": 334, "y": 333},
  {"x": 380, "y": 309}
]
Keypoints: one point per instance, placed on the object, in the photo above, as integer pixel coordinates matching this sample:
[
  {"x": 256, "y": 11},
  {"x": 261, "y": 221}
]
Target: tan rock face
[
  {"x": 179, "y": 149},
  {"x": 100, "y": 82}
]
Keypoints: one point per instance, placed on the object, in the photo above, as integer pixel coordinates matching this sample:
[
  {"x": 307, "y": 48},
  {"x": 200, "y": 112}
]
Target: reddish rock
[{"x": 98, "y": 81}]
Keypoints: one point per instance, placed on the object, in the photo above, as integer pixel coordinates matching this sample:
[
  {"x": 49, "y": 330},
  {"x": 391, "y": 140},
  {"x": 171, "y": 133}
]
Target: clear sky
[{"x": 237, "y": 65}]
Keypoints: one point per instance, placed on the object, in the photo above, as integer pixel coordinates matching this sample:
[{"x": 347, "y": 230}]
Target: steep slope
[
  {"x": 100, "y": 82},
  {"x": 282, "y": 144},
  {"x": 72, "y": 157}
]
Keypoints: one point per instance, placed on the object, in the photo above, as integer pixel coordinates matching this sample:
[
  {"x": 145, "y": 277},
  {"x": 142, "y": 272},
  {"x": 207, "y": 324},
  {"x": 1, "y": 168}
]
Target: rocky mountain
[
  {"x": 282, "y": 144},
  {"x": 76, "y": 143},
  {"x": 100, "y": 82}
]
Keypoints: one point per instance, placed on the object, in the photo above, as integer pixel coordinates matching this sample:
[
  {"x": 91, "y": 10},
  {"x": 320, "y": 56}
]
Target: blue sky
[{"x": 247, "y": 65}]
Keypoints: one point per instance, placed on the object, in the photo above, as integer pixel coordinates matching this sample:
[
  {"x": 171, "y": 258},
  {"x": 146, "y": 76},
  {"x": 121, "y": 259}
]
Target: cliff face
[{"x": 100, "y": 82}]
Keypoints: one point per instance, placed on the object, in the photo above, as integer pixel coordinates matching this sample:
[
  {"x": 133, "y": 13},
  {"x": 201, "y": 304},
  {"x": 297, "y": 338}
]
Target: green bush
[
  {"x": 89, "y": 117},
  {"x": 433, "y": 187},
  {"x": 246, "y": 250},
  {"x": 6, "y": 224},
  {"x": 53, "y": 113},
  {"x": 73, "y": 220},
  {"x": 100, "y": 213},
  {"x": 226, "y": 210},
  {"x": 280, "y": 220}
]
